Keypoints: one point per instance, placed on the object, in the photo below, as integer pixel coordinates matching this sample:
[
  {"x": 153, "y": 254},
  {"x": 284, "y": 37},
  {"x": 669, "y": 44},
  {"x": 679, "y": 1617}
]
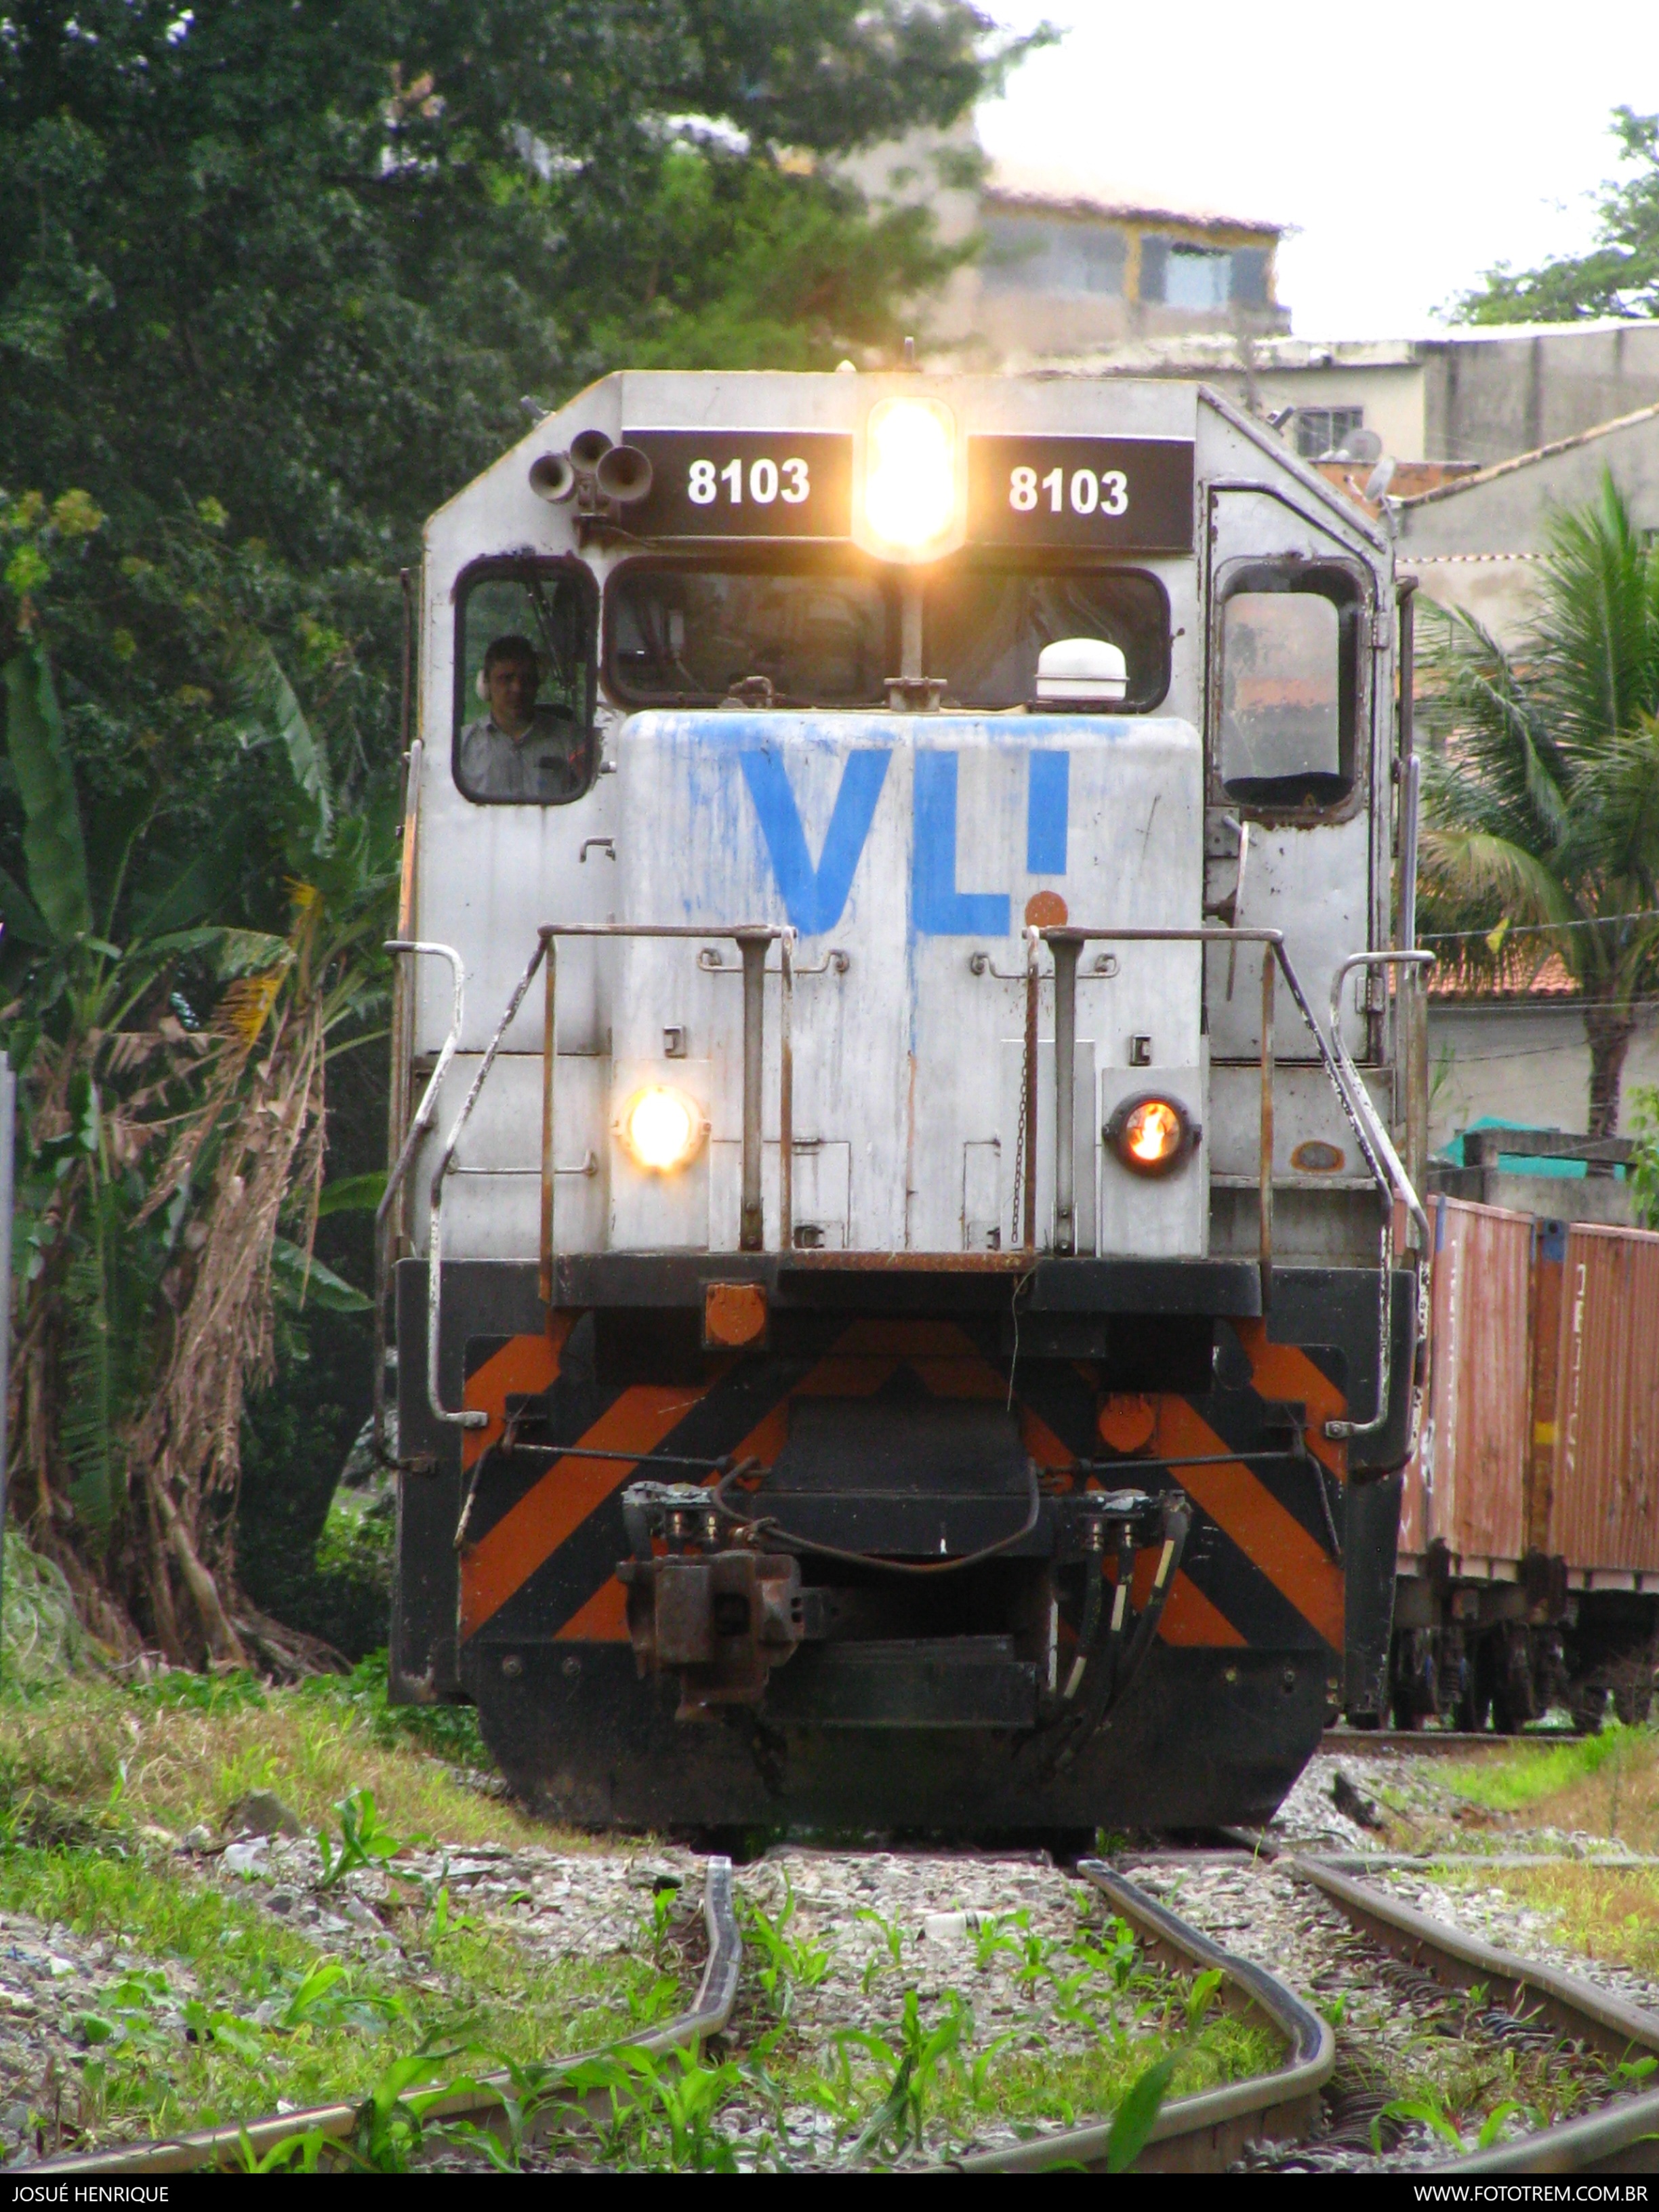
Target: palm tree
[{"x": 1542, "y": 802}]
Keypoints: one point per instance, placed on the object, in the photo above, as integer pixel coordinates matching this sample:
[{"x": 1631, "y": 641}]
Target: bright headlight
[
  {"x": 910, "y": 472},
  {"x": 1151, "y": 1135},
  {"x": 661, "y": 1128}
]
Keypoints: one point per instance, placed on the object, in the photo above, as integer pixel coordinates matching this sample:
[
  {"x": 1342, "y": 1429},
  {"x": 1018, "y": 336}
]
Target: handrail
[
  {"x": 751, "y": 940},
  {"x": 1402, "y": 1189},
  {"x": 1401, "y": 1183},
  {"x": 434, "y": 1259},
  {"x": 1357, "y": 1104},
  {"x": 1065, "y": 942},
  {"x": 423, "y": 1117}
]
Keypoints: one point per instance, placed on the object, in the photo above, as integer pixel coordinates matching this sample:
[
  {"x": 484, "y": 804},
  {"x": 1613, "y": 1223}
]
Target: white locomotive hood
[
  {"x": 895, "y": 829},
  {"x": 910, "y": 853}
]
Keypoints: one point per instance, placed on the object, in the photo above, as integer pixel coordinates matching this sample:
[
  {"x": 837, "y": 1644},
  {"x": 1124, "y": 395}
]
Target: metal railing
[
  {"x": 1067, "y": 942},
  {"x": 751, "y": 940},
  {"x": 425, "y": 1114}
]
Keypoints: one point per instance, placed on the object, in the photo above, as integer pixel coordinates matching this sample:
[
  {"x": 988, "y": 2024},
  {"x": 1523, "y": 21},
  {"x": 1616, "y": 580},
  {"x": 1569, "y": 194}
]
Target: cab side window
[
  {"x": 526, "y": 683},
  {"x": 1289, "y": 641}
]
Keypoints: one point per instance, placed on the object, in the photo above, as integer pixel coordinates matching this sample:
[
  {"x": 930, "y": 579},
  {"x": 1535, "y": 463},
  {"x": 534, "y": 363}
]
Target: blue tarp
[{"x": 1520, "y": 1163}]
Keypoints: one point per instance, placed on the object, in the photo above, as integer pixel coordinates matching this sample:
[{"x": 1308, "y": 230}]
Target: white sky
[{"x": 1414, "y": 145}]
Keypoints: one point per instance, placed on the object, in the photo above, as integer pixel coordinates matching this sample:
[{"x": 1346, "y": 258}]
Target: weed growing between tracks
[
  {"x": 1603, "y": 1784},
  {"x": 1103, "y": 2032}
]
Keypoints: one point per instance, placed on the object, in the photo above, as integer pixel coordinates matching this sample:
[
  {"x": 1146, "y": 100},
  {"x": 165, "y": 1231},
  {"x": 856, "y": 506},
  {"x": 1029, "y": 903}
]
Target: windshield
[
  {"x": 524, "y": 684},
  {"x": 984, "y": 628},
  {"x": 686, "y": 636}
]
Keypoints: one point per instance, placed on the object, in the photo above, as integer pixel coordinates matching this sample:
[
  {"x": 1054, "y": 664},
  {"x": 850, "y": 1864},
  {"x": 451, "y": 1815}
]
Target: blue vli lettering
[
  {"x": 938, "y": 908},
  {"x": 814, "y": 898}
]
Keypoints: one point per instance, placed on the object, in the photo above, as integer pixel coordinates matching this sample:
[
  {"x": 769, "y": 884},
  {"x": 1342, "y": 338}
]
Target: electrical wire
[{"x": 762, "y": 1524}]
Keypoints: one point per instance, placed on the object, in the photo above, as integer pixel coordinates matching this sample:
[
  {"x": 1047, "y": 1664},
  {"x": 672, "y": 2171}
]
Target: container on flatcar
[
  {"x": 1529, "y": 1530},
  {"x": 1602, "y": 1507},
  {"x": 1467, "y": 1485},
  {"x": 1463, "y": 1520}
]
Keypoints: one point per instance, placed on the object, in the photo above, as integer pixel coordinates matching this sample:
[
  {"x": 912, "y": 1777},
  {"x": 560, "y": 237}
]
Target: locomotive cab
[{"x": 907, "y": 1282}]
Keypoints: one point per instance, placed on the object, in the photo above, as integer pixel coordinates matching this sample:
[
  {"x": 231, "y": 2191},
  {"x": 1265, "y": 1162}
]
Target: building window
[
  {"x": 1197, "y": 278},
  {"x": 1323, "y": 430},
  {"x": 1023, "y": 254},
  {"x": 1250, "y": 276}
]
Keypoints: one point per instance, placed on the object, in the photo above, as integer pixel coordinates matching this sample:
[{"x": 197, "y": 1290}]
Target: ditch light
[
  {"x": 1151, "y": 1135},
  {"x": 661, "y": 1128}
]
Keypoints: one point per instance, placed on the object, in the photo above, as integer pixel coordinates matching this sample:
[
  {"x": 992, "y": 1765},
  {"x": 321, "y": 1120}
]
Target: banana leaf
[
  {"x": 298, "y": 1281},
  {"x": 267, "y": 701},
  {"x": 54, "y": 849}
]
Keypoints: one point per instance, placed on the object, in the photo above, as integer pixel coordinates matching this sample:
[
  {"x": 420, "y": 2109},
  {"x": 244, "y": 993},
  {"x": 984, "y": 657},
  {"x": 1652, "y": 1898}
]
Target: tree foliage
[
  {"x": 274, "y": 282},
  {"x": 1620, "y": 275},
  {"x": 1542, "y": 805}
]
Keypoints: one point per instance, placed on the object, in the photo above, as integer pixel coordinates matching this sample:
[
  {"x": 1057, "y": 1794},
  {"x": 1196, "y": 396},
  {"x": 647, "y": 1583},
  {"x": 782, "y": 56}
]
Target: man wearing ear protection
[{"x": 519, "y": 749}]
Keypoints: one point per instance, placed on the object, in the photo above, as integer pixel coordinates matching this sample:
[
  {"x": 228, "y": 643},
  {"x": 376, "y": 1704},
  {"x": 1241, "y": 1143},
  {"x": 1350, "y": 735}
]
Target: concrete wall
[
  {"x": 1391, "y": 394},
  {"x": 1525, "y": 1063},
  {"x": 1489, "y": 398},
  {"x": 1475, "y": 543}
]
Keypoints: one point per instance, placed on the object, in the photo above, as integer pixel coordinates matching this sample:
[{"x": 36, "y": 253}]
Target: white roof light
[{"x": 1082, "y": 672}]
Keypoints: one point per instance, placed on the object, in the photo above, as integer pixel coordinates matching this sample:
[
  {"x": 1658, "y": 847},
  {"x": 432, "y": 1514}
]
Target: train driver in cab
[{"x": 517, "y": 750}]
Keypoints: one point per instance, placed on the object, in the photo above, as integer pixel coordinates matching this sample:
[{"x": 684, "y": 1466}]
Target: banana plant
[{"x": 164, "y": 1146}]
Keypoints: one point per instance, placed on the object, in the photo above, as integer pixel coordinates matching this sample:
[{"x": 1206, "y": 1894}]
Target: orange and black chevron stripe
[{"x": 544, "y": 1539}]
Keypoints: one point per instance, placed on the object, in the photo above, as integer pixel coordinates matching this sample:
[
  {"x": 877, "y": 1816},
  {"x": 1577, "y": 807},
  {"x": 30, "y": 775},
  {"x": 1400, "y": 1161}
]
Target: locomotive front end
[{"x": 906, "y": 1296}]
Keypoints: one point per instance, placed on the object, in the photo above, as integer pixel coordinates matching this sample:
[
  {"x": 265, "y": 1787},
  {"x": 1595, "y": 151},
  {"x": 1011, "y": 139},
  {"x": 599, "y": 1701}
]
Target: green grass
[
  {"x": 178, "y": 1752},
  {"x": 1606, "y": 1912},
  {"x": 1508, "y": 1781},
  {"x": 231, "y": 2011},
  {"x": 228, "y": 2008}
]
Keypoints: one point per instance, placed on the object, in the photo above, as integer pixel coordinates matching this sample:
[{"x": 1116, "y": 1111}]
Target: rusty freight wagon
[
  {"x": 1529, "y": 1529},
  {"x": 905, "y": 1068}
]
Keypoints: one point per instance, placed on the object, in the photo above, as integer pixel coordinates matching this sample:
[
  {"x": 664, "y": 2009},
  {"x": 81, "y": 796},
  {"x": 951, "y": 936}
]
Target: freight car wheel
[
  {"x": 1481, "y": 1699},
  {"x": 1588, "y": 1702},
  {"x": 1632, "y": 1701}
]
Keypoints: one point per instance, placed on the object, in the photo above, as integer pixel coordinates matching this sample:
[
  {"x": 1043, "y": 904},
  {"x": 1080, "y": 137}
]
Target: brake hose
[
  {"x": 1084, "y": 1719},
  {"x": 762, "y": 1524}
]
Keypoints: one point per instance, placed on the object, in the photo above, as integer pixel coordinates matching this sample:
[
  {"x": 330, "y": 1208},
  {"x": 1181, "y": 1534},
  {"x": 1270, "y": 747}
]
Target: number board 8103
[
  {"x": 1116, "y": 495},
  {"x": 745, "y": 484}
]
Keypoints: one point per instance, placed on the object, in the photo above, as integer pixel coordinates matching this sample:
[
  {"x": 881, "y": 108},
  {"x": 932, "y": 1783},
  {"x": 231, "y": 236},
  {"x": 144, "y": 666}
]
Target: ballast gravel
[{"x": 884, "y": 1920}]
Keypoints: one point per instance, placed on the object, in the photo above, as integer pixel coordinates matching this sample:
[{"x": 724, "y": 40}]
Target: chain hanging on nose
[{"x": 1024, "y": 1222}]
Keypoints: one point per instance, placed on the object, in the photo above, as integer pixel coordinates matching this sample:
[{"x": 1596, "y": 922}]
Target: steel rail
[
  {"x": 1201, "y": 2133},
  {"x": 1625, "y": 2129},
  {"x": 481, "y": 2102},
  {"x": 1361, "y": 1743}
]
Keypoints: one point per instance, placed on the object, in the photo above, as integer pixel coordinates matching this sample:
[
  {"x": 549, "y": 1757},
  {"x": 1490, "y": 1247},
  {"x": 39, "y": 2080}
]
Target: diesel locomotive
[{"x": 907, "y": 1103}]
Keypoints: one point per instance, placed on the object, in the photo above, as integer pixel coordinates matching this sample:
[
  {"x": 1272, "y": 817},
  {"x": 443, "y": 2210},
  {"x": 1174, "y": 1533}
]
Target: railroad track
[
  {"x": 1423, "y": 1960},
  {"x": 482, "y": 2105},
  {"x": 1621, "y": 2137},
  {"x": 1432, "y": 1742},
  {"x": 1279, "y": 2117}
]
